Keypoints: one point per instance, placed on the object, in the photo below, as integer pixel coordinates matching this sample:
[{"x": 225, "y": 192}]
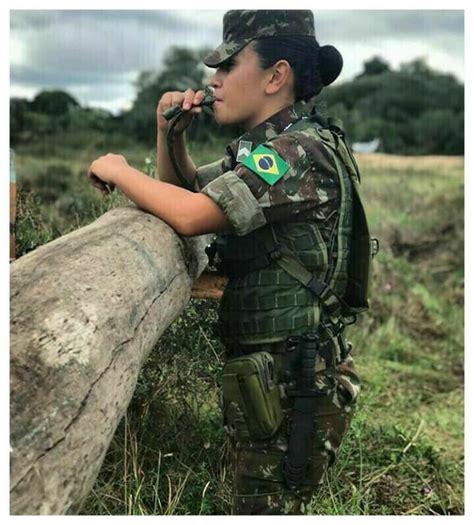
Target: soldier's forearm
[{"x": 166, "y": 172}]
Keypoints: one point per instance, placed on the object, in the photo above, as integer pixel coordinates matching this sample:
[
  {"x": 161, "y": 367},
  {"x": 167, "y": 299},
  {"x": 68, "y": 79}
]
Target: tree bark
[{"x": 86, "y": 309}]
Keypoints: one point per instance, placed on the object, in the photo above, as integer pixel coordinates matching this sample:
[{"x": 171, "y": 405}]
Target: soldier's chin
[{"x": 219, "y": 116}]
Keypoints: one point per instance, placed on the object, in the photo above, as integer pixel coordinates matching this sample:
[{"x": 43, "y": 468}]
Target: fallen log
[{"x": 86, "y": 309}]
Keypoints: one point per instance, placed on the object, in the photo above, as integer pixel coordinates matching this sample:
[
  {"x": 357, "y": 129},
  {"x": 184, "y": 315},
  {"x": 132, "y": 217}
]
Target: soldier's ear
[{"x": 280, "y": 76}]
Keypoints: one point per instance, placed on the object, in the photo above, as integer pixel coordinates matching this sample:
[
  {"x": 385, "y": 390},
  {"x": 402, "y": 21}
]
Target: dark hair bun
[{"x": 330, "y": 64}]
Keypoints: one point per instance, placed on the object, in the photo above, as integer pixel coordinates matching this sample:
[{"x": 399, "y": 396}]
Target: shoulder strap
[{"x": 330, "y": 132}]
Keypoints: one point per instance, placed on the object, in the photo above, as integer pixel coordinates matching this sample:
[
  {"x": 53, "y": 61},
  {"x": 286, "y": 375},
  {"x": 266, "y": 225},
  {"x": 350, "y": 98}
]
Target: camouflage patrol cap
[{"x": 241, "y": 27}]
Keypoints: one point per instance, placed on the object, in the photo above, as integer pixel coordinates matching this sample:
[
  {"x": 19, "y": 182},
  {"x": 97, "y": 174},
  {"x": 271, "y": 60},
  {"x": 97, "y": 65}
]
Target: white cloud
[
  {"x": 370, "y": 25},
  {"x": 397, "y": 52},
  {"x": 18, "y": 50},
  {"x": 115, "y": 106},
  {"x": 20, "y": 91}
]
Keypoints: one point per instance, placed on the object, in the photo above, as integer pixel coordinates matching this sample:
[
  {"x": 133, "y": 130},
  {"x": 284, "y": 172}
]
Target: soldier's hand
[
  {"x": 189, "y": 100},
  {"x": 102, "y": 171}
]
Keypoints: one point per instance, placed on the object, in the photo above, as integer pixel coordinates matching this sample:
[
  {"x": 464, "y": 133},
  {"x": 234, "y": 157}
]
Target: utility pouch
[{"x": 252, "y": 406}]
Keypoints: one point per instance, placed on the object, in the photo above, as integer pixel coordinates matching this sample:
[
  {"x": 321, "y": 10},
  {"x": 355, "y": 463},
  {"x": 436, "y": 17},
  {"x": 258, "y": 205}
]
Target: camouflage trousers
[{"x": 257, "y": 465}]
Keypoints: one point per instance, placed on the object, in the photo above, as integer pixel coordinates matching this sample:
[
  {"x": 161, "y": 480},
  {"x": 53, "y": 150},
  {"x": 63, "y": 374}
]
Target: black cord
[{"x": 170, "y": 144}]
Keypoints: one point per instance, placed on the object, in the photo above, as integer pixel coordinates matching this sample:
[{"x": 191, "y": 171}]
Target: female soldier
[{"x": 281, "y": 200}]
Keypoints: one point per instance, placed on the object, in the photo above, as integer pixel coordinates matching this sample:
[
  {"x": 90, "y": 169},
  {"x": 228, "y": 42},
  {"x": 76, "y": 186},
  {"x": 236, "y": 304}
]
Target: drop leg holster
[{"x": 300, "y": 440}]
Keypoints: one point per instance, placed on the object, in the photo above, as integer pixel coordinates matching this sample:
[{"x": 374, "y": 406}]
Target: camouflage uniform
[
  {"x": 260, "y": 309},
  {"x": 308, "y": 192}
]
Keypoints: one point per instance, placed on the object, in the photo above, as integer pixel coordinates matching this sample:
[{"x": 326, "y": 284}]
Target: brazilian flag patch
[{"x": 267, "y": 164}]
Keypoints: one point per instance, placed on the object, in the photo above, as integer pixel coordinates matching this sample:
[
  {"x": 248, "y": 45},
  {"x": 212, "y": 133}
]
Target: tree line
[{"x": 414, "y": 110}]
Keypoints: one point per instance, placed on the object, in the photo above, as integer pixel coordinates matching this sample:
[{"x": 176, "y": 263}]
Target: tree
[
  {"x": 418, "y": 66},
  {"x": 18, "y": 118},
  {"x": 375, "y": 66},
  {"x": 54, "y": 103},
  {"x": 415, "y": 110},
  {"x": 440, "y": 131},
  {"x": 182, "y": 68}
]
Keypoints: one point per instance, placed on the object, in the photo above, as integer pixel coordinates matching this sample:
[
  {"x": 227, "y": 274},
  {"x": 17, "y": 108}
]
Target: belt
[{"x": 287, "y": 357}]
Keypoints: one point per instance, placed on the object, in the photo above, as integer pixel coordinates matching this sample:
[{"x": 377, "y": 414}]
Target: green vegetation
[
  {"x": 404, "y": 453},
  {"x": 414, "y": 110},
  {"x": 54, "y": 196}
]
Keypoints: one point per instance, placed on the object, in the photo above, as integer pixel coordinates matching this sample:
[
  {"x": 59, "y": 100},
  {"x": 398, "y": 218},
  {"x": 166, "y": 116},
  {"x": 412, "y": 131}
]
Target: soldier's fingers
[
  {"x": 199, "y": 97},
  {"x": 97, "y": 183},
  {"x": 165, "y": 102},
  {"x": 167, "y": 98},
  {"x": 177, "y": 99},
  {"x": 171, "y": 98},
  {"x": 188, "y": 98}
]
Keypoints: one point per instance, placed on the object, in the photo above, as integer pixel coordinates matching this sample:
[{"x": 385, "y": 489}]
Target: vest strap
[{"x": 331, "y": 303}]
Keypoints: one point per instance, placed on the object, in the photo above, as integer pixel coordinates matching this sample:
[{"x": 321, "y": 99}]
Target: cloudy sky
[{"x": 97, "y": 55}]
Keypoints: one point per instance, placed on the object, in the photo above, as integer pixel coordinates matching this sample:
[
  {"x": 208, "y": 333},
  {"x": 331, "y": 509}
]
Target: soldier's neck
[{"x": 273, "y": 106}]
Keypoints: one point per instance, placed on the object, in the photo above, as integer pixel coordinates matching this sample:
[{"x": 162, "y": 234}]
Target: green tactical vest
[{"x": 268, "y": 297}]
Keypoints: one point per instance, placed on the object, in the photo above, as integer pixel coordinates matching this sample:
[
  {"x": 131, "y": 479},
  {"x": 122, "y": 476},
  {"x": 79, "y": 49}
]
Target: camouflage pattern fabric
[
  {"x": 308, "y": 190},
  {"x": 269, "y": 305},
  {"x": 258, "y": 485},
  {"x": 241, "y": 27}
]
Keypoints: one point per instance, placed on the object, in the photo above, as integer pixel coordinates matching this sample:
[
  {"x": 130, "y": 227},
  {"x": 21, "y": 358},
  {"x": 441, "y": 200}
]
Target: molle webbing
[
  {"x": 242, "y": 255},
  {"x": 295, "y": 322},
  {"x": 266, "y": 301}
]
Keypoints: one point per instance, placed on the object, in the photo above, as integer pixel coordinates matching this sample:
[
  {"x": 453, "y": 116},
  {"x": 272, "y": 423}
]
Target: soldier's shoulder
[
  {"x": 300, "y": 144},
  {"x": 307, "y": 136}
]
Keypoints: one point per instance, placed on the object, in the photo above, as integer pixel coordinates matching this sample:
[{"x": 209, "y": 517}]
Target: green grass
[
  {"x": 404, "y": 454},
  {"x": 56, "y": 185}
]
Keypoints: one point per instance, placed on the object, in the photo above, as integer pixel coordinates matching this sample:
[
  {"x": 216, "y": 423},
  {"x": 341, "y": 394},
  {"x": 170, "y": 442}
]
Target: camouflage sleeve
[
  {"x": 309, "y": 187},
  {"x": 205, "y": 174},
  {"x": 235, "y": 199}
]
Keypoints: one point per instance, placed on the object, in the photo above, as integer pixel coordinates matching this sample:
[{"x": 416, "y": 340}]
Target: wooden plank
[{"x": 210, "y": 285}]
